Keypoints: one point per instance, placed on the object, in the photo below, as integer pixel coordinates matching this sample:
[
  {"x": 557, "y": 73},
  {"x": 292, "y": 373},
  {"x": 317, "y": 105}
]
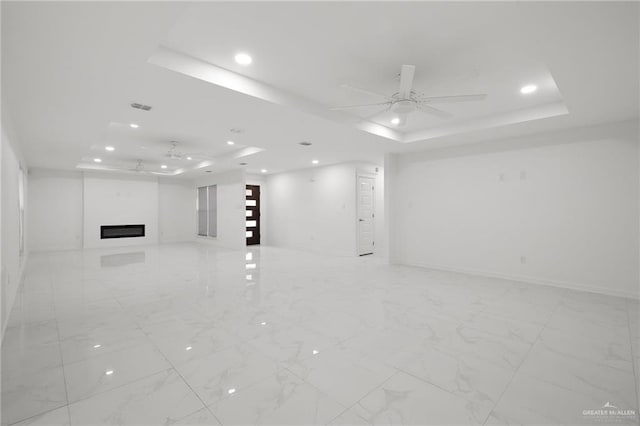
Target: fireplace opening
[{"x": 121, "y": 231}]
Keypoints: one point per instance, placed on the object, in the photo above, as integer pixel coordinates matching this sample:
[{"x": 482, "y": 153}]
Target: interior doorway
[
  {"x": 252, "y": 214},
  {"x": 366, "y": 215}
]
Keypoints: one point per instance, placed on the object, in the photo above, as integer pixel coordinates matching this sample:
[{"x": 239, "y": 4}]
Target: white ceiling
[{"x": 70, "y": 71}]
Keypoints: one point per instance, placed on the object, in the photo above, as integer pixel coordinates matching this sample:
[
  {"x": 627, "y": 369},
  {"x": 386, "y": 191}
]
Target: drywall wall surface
[
  {"x": 563, "y": 214},
  {"x": 55, "y": 217},
  {"x": 177, "y": 211},
  {"x": 314, "y": 209}
]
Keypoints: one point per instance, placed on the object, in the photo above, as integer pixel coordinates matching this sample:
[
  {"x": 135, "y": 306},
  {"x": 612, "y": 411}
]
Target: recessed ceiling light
[
  {"x": 188, "y": 348},
  {"x": 109, "y": 148},
  {"x": 231, "y": 391},
  {"x": 305, "y": 143},
  {"x": 97, "y": 160},
  {"x": 263, "y": 323},
  {"x": 189, "y": 158},
  {"x": 231, "y": 143},
  {"x": 134, "y": 125},
  {"x": 314, "y": 161},
  {"x": 96, "y": 346},
  {"x": 109, "y": 372},
  {"x": 243, "y": 164},
  {"x": 529, "y": 88},
  {"x": 164, "y": 166},
  {"x": 207, "y": 171},
  {"x": 395, "y": 120},
  {"x": 243, "y": 59},
  {"x": 264, "y": 170}
]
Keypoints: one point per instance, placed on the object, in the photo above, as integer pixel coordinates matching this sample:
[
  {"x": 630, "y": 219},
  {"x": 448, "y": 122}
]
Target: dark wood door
[{"x": 253, "y": 214}]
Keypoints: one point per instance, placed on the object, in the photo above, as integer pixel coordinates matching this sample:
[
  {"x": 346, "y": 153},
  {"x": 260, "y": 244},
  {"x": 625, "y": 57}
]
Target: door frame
[{"x": 373, "y": 176}]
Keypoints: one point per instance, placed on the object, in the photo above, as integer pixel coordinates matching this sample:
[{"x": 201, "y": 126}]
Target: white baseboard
[{"x": 526, "y": 279}]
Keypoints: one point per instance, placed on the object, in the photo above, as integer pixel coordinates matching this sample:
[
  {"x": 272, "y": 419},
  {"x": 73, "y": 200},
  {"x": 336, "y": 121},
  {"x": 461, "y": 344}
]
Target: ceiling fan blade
[
  {"x": 454, "y": 98},
  {"x": 434, "y": 111},
  {"x": 406, "y": 80},
  {"x": 364, "y": 91},
  {"x": 369, "y": 117},
  {"x": 357, "y": 106}
]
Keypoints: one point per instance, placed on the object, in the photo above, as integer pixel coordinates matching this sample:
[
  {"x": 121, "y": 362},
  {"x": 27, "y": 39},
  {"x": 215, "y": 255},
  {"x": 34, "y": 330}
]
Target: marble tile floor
[{"x": 193, "y": 334}]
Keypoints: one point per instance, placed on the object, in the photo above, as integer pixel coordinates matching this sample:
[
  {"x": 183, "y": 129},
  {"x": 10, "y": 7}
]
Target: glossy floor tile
[{"x": 190, "y": 334}]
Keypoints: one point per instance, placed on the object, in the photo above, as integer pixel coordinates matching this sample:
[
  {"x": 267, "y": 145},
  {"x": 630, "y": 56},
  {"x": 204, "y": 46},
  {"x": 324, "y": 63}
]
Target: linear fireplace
[{"x": 121, "y": 231}]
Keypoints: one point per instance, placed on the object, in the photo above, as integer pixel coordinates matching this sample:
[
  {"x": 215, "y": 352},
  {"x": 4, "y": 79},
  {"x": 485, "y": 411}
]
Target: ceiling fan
[
  {"x": 406, "y": 100},
  {"x": 174, "y": 154},
  {"x": 139, "y": 168}
]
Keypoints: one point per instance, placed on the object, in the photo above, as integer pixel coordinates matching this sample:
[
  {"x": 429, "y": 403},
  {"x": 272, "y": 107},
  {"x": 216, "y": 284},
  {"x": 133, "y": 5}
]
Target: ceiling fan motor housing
[{"x": 403, "y": 106}]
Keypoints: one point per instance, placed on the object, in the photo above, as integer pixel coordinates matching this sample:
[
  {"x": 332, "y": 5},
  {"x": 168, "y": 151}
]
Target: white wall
[
  {"x": 231, "y": 206},
  {"x": 55, "y": 216},
  {"x": 12, "y": 262},
  {"x": 177, "y": 211},
  {"x": 559, "y": 209},
  {"x": 60, "y": 195},
  {"x": 315, "y": 209},
  {"x": 119, "y": 200}
]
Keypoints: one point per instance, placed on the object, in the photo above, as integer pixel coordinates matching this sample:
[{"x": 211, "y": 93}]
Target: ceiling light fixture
[
  {"x": 314, "y": 161},
  {"x": 231, "y": 143},
  {"x": 264, "y": 170},
  {"x": 189, "y": 158},
  {"x": 529, "y": 88},
  {"x": 134, "y": 125},
  {"x": 109, "y": 372},
  {"x": 164, "y": 166},
  {"x": 97, "y": 160},
  {"x": 243, "y": 59},
  {"x": 109, "y": 148},
  {"x": 395, "y": 120}
]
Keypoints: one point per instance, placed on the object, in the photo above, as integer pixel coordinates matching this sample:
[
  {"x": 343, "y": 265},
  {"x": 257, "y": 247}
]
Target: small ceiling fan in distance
[
  {"x": 139, "y": 168},
  {"x": 406, "y": 100},
  {"x": 174, "y": 154}
]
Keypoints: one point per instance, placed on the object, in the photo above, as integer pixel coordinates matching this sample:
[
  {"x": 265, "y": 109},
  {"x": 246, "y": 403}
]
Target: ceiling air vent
[
  {"x": 305, "y": 143},
  {"x": 141, "y": 106}
]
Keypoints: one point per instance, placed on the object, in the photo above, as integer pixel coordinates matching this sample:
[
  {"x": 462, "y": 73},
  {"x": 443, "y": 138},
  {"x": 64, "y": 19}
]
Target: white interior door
[{"x": 366, "y": 216}]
